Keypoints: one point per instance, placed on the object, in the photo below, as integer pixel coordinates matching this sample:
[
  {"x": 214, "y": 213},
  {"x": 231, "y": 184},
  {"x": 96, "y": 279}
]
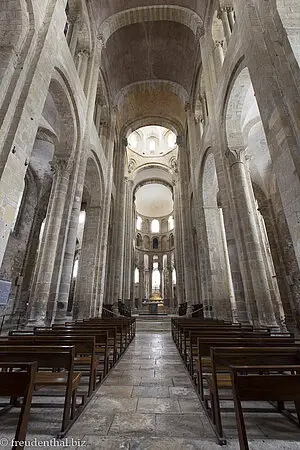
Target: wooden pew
[
  {"x": 178, "y": 323},
  {"x": 224, "y": 357},
  {"x": 101, "y": 338},
  {"x": 49, "y": 358},
  {"x": 115, "y": 339},
  {"x": 284, "y": 385},
  {"x": 189, "y": 351},
  {"x": 204, "y": 344},
  {"x": 19, "y": 383},
  {"x": 127, "y": 322},
  {"x": 86, "y": 358}
]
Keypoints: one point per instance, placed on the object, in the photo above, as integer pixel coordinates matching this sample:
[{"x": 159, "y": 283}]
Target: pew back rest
[
  {"x": 53, "y": 357},
  {"x": 17, "y": 383},
  {"x": 238, "y": 356}
]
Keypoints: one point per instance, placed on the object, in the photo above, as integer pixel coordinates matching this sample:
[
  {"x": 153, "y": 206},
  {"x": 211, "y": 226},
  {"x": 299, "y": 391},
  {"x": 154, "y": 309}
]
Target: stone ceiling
[
  {"x": 149, "y": 47},
  {"x": 154, "y": 200},
  {"x": 145, "y": 51},
  {"x": 107, "y": 8}
]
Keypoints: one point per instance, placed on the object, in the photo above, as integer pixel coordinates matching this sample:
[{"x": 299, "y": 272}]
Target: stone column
[
  {"x": 68, "y": 261},
  {"x": 119, "y": 220},
  {"x": 223, "y": 15},
  {"x": 186, "y": 227},
  {"x": 276, "y": 87},
  {"x": 141, "y": 285},
  {"x": 253, "y": 269},
  {"x": 150, "y": 275},
  {"x": 78, "y": 61},
  {"x": 76, "y": 24},
  {"x": 128, "y": 232},
  {"x": 82, "y": 70},
  {"x": 102, "y": 257},
  {"x": 234, "y": 311},
  {"x": 46, "y": 259},
  {"x": 231, "y": 17},
  {"x": 146, "y": 278},
  {"x": 178, "y": 245},
  {"x": 68, "y": 256},
  {"x": 218, "y": 56},
  {"x": 192, "y": 130},
  {"x": 84, "y": 295}
]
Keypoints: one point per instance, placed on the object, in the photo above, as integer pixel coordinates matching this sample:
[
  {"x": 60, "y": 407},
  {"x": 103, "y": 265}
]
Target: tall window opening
[
  {"x": 155, "y": 277},
  {"x": 171, "y": 223},
  {"x": 155, "y": 226},
  {"x": 75, "y": 268},
  {"x": 139, "y": 223},
  {"x": 136, "y": 275},
  {"x": 152, "y": 145}
]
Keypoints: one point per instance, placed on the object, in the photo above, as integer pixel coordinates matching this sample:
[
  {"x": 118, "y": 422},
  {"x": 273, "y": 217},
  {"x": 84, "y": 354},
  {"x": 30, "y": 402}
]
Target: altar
[{"x": 155, "y": 304}]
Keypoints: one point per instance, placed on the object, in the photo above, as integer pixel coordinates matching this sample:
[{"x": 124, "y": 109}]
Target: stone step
[{"x": 153, "y": 323}]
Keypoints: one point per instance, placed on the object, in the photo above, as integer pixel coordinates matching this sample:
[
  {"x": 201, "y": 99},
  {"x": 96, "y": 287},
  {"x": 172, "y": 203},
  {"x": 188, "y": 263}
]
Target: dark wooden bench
[
  {"x": 17, "y": 379},
  {"x": 203, "y": 364},
  {"x": 115, "y": 336},
  {"x": 190, "y": 349},
  {"x": 50, "y": 358},
  {"x": 263, "y": 383},
  {"x": 86, "y": 360},
  {"x": 224, "y": 357},
  {"x": 101, "y": 338}
]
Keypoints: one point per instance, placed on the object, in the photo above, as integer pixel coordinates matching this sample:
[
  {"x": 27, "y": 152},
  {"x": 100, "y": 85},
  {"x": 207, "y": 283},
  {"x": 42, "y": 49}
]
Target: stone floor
[{"x": 148, "y": 402}]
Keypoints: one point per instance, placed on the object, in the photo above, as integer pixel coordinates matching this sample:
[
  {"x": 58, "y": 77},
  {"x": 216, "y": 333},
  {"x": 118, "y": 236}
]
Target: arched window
[
  {"x": 136, "y": 275},
  {"x": 155, "y": 226},
  {"x": 155, "y": 243},
  {"x": 82, "y": 216},
  {"x": 139, "y": 223},
  {"x": 174, "y": 276},
  {"x": 155, "y": 278},
  {"x": 139, "y": 240},
  {"x": 171, "y": 240},
  {"x": 75, "y": 269},
  {"x": 151, "y": 145},
  {"x": 171, "y": 223}
]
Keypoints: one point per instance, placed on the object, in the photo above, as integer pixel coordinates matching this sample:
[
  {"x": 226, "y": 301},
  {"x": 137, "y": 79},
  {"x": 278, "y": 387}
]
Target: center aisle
[{"x": 147, "y": 402}]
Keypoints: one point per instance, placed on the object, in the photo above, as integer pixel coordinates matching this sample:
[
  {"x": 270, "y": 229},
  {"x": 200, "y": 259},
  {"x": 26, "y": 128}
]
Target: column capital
[
  {"x": 219, "y": 44},
  {"x": 83, "y": 52},
  {"x": 224, "y": 10},
  {"x": 236, "y": 155},
  {"x": 61, "y": 165}
]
